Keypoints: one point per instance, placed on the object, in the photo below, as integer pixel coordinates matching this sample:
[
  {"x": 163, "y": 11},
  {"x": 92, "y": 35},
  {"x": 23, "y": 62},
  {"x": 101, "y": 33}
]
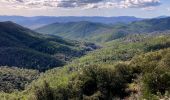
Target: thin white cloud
[
  {"x": 140, "y": 3},
  {"x": 80, "y": 3},
  {"x": 168, "y": 9},
  {"x": 149, "y": 8}
]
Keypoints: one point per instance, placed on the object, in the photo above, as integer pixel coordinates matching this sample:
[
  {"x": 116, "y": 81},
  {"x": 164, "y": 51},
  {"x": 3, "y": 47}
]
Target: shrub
[
  {"x": 43, "y": 92},
  {"x": 102, "y": 81}
]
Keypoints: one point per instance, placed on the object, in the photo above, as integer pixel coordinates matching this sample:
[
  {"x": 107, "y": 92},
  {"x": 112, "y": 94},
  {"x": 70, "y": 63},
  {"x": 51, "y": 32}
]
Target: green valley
[
  {"x": 133, "y": 65},
  {"x": 84, "y": 49}
]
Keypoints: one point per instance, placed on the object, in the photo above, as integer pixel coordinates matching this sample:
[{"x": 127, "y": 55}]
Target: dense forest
[
  {"x": 25, "y": 48},
  {"x": 132, "y": 67}
]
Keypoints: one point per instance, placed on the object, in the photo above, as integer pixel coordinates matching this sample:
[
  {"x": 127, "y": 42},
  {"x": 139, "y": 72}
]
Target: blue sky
[{"x": 138, "y": 8}]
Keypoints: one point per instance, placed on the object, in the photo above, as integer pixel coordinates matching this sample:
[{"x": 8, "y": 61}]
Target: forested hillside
[
  {"x": 118, "y": 71},
  {"x": 25, "y": 48},
  {"x": 98, "y": 32},
  {"x": 131, "y": 63},
  {"x": 75, "y": 30},
  {"x": 133, "y": 67},
  {"x": 84, "y": 49},
  {"x": 16, "y": 79}
]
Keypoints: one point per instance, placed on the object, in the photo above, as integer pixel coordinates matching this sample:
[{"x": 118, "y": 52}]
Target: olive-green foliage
[
  {"x": 155, "y": 68},
  {"x": 12, "y": 96},
  {"x": 102, "y": 81},
  {"x": 124, "y": 49},
  {"x": 43, "y": 93},
  {"x": 106, "y": 73},
  {"x": 99, "y": 70},
  {"x": 15, "y": 79},
  {"x": 107, "y": 81}
]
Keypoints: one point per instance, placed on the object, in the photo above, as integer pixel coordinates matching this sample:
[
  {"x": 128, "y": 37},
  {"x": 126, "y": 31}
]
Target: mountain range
[
  {"x": 98, "y": 32},
  {"x": 132, "y": 61},
  {"x": 39, "y": 21}
]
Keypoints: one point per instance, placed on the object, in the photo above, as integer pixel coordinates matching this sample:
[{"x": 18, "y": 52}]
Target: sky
[{"x": 108, "y": 8}]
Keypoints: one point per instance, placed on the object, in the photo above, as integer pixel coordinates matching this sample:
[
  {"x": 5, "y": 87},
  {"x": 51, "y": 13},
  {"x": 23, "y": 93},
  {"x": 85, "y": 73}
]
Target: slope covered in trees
[
  {"x": 126, "y": 68},
  {"x": 103, "y": 33},
  {"x": 15, "y": 79},
  {"x": 108, "y": 75},
  {"x": 75, "y": 30},
  {"x": 25, "y": 48},
  {"x": 134, "y": 65}
]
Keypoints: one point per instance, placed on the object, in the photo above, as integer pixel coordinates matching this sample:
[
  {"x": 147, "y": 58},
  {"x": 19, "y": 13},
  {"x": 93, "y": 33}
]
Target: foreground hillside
[
  {"x": 24, "y": 48},
  {"x": 114, "y": 72},
  {"x": 98, "y": 32},
  {"x": 15, "y": 79},
  {"x": 135, "y": 67}
]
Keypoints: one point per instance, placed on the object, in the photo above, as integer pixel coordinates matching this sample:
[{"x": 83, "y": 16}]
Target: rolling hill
[
  {"x": 133, "y": 67},
  {"x": 102, "y": 32},
  {"x": 25, "y": 48},
  {"x": 75, "y": 30},
  {"x": 109, "y": 72}
]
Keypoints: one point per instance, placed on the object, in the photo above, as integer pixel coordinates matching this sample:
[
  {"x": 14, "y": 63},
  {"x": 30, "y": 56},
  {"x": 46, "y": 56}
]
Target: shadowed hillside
[{"x": 24, "y": 48}]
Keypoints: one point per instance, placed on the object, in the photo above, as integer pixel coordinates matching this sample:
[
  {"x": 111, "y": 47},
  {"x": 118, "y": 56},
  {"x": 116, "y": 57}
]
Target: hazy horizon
[
  {"x": 106, "y": 8},
  {"x": 83, "y": 16}
]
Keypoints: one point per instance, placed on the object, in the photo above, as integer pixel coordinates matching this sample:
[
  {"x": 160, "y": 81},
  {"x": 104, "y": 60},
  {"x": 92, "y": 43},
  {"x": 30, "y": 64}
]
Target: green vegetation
[
  {"x": 75, "y": 30},
  {"x": 154, "y": 68},
  {"x": 15, "y": 79},
  {"x": 24, "y": 48},
  {"x": 132, "y": 67},
  {"x": 97, "y": 32},
  {"x": 106, "y": 80}
]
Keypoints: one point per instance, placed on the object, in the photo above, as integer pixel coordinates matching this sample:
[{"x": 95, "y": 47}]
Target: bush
[
  {"x": 43, "y": 92},
  {"x": 156, "y": 82},
  {"x": 102, "y": 82},
  {"x": 155, "y": 70}
]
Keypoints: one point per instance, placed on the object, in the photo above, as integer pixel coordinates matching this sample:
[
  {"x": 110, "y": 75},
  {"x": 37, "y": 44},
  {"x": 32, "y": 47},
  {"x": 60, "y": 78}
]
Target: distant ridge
[
  {"x": 99, "y": 32},
  {"x": 164, "y": 16},
  {"x": 39, "y": 21},
  {"x": 75, "y": 30}
]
